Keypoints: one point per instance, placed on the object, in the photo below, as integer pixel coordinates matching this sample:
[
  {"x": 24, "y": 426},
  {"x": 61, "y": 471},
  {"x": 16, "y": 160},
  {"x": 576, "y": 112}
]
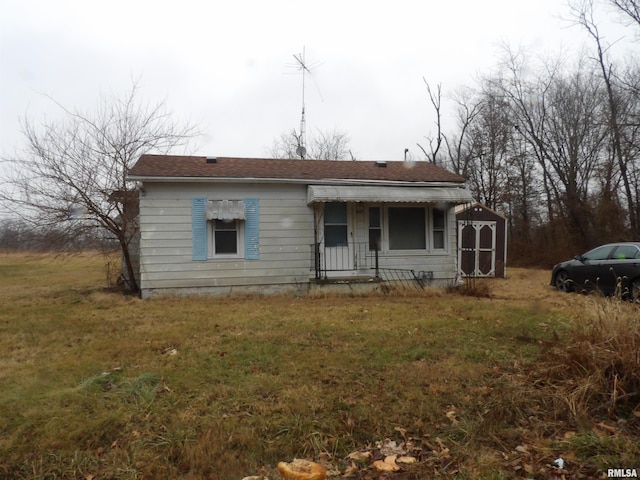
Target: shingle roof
[{"x": 169, "y": 166}]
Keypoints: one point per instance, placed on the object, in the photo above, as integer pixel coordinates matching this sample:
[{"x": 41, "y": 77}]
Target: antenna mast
[{"x": 302, "y": 66}]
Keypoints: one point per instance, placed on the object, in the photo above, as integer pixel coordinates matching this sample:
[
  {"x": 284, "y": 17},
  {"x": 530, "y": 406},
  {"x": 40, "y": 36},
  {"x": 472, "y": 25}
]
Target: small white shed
[{"x": 482, "y": 241}]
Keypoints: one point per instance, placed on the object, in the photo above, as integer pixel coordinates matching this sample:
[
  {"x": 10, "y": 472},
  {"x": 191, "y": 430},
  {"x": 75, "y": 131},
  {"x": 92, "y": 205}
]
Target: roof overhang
[
  {"x": 321, "y": 181},
  {"x": 381, "y": 194}
]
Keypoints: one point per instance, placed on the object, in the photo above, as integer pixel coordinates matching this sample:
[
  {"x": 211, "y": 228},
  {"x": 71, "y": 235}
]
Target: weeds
[
  {"x": 96, "y": 384},
  {"x": 600, "y": 366},
  {"x": 471, "y": 287}
]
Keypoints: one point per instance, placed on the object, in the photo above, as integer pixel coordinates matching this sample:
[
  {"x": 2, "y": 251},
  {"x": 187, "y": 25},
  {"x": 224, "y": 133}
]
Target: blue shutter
[
  {"x": 199, "y": 228},
  {"x": 251, "y": 230}
]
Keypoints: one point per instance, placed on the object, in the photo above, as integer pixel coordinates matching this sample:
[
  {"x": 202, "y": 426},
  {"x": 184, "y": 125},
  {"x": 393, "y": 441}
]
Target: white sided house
[{"x": 220, "y": 225}]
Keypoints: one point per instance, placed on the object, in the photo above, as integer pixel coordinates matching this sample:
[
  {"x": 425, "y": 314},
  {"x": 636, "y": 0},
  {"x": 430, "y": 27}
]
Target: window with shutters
[{"x": 225, "y": 229}]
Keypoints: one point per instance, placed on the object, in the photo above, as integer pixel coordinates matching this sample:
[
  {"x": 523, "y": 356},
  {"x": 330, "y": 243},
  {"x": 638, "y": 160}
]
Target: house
[
  {"x": 482, "y": 241},
  {"x": 221, "y": 225}
]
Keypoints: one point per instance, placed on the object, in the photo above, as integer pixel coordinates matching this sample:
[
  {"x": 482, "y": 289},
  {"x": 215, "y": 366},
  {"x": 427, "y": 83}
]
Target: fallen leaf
[
  {"x": 351, "y": 470},
  {"x": 390, "y": 447},
  {"x": 604, "y": 426},
  {"x": 360, "y": 456},
  {"x": 388, "y": 464},
  {"x": 406, "y": 459},
  {"x": 522, "y": 449},
  {"x": 483, "y": 390},
  {"x": 451, "y": 415},
  {"x": 401, "y": 431}
]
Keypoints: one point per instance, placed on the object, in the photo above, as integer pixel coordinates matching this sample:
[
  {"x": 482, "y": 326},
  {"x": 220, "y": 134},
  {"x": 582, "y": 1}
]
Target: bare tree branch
[
  {"x": 630, "y": 8},
  {"x": 434, "y": 143},
  {"x": 72, "y": 173},
  {"x": 323, "y": 145}
]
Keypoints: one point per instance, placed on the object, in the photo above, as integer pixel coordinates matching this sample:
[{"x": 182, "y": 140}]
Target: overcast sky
[{"x": 228, "y": 66}]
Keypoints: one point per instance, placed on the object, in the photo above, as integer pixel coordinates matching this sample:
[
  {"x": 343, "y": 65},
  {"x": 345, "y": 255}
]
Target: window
[
  {"x": 600, "y": 253},
  {"x": 407, "y": 228},
  {"x": 624, "y": 252},
  {"x": 375, "y": 228},
  {"x": 335, "y": 224},
  {"x": 225, "y": 237},
  {"x": 438, "y": 230}
]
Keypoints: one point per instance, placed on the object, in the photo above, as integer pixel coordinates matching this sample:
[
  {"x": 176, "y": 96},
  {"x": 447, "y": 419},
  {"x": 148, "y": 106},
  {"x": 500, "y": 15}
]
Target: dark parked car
[{"x": 611, "y": 269}]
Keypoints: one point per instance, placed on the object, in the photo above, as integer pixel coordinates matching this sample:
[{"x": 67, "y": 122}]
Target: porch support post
[
  {"x": 376, "y": 259},
  {"x": 316, "y": 244}
]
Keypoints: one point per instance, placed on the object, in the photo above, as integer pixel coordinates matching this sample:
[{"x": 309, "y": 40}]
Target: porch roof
[{"x": 373, "y": 194}]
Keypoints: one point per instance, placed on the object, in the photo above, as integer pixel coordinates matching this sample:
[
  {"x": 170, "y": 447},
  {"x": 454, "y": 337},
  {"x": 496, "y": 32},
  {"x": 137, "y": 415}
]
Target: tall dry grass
[
  {"x": 98, "y": 385},
  {"x": 599, "y": 365}
]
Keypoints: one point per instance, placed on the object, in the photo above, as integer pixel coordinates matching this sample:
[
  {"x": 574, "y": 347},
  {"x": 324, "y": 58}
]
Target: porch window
[
  {"x": 375, "y": 228},
  {"x": 335, "y": 224},
  {"x": 407, "y": 228},
  {"x": 438, "y": 229}
]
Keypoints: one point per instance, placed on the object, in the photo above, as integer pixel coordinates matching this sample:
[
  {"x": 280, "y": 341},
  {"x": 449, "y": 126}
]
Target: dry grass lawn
[{"x": 96, "y": 385}]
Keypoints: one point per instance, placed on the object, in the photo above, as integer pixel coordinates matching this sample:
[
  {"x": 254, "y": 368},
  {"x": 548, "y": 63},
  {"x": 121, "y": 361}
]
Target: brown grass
[{"x": 98, "y": 385}]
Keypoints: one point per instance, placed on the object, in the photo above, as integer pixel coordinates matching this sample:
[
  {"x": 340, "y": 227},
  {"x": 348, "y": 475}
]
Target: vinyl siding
[
  {"x": 285, "y": 235},
  {"x": 285, "y": 231}
]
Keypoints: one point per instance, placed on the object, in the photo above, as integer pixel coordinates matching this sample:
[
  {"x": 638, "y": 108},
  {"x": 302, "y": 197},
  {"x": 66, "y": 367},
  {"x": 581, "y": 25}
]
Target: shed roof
[
  {"x": 165, "y": 167},
  {"x": 460, "y": 209}
]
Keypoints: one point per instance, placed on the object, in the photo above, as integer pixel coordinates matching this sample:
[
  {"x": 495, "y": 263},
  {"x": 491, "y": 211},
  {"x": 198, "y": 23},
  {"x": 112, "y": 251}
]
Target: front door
[{"x": 338, "y": 250}]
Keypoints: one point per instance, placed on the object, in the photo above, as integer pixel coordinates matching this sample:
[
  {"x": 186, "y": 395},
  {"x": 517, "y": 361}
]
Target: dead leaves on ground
[
  {"x": 391, "y": 456},
  {"x": 413, "y": 457}
]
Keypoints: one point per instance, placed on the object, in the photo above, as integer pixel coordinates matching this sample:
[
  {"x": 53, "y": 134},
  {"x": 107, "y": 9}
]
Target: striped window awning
[
  {"x": 225, "y": 210},
  {"x": 382, "y": 194}
]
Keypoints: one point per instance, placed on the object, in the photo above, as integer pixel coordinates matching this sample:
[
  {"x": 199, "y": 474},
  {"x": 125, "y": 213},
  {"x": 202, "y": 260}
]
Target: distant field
[{"x": 97, "y": 385}]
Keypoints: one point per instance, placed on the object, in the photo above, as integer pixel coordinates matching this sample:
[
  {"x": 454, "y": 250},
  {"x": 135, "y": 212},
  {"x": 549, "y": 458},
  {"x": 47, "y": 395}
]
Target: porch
[{"x": 358, "y": 262}]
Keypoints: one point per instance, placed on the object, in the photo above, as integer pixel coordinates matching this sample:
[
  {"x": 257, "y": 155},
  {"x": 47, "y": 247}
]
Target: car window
[
  {"x": 600, "y": 253},
  {"x": 624, "y": 252}
]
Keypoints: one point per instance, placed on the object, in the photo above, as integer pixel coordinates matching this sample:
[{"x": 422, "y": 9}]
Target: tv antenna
[{"x": 302, "y": 66}]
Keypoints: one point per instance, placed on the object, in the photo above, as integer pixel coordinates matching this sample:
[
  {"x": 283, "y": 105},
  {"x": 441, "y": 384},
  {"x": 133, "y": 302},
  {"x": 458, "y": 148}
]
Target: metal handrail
[{"x": 354, "y": 256}]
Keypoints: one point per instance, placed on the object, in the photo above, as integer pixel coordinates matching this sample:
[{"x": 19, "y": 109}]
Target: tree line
[
  {"x": 18, "y": 235},
  {"x": 553, "y": 145}
]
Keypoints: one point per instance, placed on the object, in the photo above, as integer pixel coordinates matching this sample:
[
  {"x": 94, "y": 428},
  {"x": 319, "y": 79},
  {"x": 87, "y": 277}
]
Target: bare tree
[
  {"x": 434, "y": 143},
  {"x": 583, "y": 12},
  {"x": 72, "y": 173},
  {"x": 630, "y": 8},
  {"x": 559, "y": 115},
  {"x": 459, "y": 145},
  {"x": 490, "y": 137},
  {"x": 324, "y": 145}
]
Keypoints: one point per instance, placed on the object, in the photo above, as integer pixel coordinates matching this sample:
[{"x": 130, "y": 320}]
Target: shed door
[{"x": 477, "y": 249}]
